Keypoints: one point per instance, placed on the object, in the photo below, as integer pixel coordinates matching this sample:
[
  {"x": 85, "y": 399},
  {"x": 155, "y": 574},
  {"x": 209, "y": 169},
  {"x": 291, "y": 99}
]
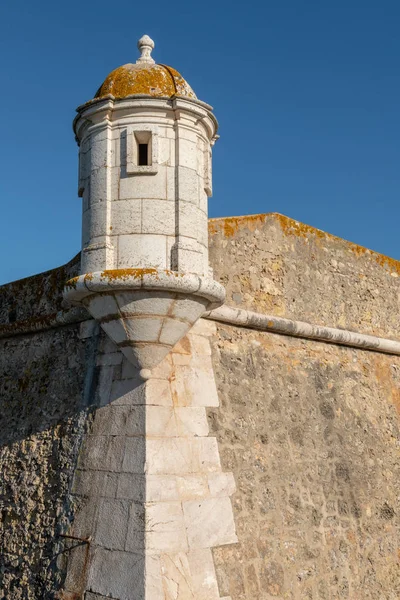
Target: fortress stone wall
[
  {"x": 299, "y": 436},
  {"x": 310, "y": 430}
]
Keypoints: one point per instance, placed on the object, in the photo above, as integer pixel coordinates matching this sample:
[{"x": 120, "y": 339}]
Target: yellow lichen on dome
[{"x": 144, "y": 78}]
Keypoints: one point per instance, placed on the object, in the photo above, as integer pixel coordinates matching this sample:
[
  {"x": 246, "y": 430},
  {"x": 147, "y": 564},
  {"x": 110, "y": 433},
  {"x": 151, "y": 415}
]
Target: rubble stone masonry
[{"x": 310, "y": 430}]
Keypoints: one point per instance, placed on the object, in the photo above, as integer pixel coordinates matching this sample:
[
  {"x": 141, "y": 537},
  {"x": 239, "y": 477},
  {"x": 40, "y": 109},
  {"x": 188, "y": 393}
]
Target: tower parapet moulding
[{"x": 145, "y": 177}]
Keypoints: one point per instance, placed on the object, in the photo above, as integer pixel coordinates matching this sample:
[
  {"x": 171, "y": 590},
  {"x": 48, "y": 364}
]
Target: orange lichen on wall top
[{"x": 229, "y": 226}]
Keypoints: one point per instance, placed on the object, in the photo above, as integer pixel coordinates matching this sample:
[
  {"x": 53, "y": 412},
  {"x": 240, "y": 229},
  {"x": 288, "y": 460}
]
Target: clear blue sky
[{"x": 307, "y": 94}]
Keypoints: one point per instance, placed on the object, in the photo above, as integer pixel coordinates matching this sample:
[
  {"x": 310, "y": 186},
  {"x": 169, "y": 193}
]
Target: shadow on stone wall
[
  {"x": 109, "y": 487},
  {"x": 55, "y": 480},
  {"x": 45, "y": 400}
]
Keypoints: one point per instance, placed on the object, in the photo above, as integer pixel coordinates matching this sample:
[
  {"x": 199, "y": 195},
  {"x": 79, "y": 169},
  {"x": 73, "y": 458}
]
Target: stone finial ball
[{"x": 145, "y": 40}]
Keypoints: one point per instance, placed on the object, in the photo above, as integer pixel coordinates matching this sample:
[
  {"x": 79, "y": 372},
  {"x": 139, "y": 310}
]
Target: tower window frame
[{"x": 142, "y": 150}]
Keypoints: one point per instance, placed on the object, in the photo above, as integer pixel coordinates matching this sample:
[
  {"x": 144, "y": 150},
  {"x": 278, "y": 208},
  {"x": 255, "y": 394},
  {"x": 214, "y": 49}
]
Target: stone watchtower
[{"x": 145, "y": 177}]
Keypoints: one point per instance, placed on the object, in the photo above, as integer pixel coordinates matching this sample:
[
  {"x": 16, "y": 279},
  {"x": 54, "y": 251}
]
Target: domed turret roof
[{"x": 145, "y": 77}]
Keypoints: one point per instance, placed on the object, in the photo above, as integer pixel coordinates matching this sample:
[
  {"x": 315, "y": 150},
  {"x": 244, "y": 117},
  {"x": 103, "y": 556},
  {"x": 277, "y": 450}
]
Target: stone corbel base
[{"x": 145, "y": 311}]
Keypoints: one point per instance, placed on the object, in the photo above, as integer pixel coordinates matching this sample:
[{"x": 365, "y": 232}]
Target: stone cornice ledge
[{"x": 301, "y": 329}]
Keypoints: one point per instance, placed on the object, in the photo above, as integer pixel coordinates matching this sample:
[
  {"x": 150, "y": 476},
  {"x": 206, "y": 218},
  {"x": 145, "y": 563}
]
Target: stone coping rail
[
  {"x": 231, "y": 316},
  {"x": 301, "y": 329}
]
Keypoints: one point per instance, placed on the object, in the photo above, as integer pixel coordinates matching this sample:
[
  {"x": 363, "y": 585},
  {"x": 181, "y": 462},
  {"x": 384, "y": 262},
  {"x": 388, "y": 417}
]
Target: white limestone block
[
  {"x": 204, "y": 327},
  {"x": 209, "y": 459},
  {"x": 128, "y": 420},
  {"x": 85, "y": 165},
  {"x": 200, "y": 344},
  {"x": 102, "y": 453},
  {"x": 171, "y": 183},
  {"x": 190, "y": 261},
  {"x": 192, "y": 487},
  {"x": 188, "y": 133},
  {"x": 161, "y": 488},
  {"x": 146, "y": 329},
  {"x": 187, "y": 152},
  {"x": 193, "y": 222},
  {"x": 158, "y": 391},
  {"x": 85, "y": 145},
  {"x": 140, "y": 303},
  {"x": 129, "y": 371},
  {"x": 176, "y": 456},
  {"x": 126, "y": 216},
  {"x": 99, "y": 219},
  {"x": 170, "y": 456},
  {"x": 107, "y": 346},
  {"x": 138, "y": 251},
  {"x": 165, "y": 155},
  {"x": 199, "y": 386},
  {"x": 191, "y": 420},
  {"x": 113, "y": 177},
  {"x": 86, "y": 215},
  {"x": 104, "y": 385},
  {"x": 115, "y": 151},
  {"x": 94, "y": 483},
  {"x": 128, "y": 392},
  {"x": 134, "y": 456},
  {"x": 153, "y": 586},
  {"x": 184, "y": 308},
  {"x": 172, "y": 331},
  {"x": 112, "y": 524},
  {"x": 160, "y": 421},
  {"x": 165, "y": 528},
  {"x": 131, "y": 486},
  {"x": 202, "y": 146},
  {"x": 115, "y": 329},
  {"x": 158, "y": 217},
  {"x": 143, "y": 186},
  {"x": 100, "y": 153},
  {"x": 151, "y": 353},
  {"x": 221, "y": 484},
  {"x": 208, "y": 171},
  {"x": 188, "y": 184},
  {"x": 204, "y": 580},
  {"x": 163, "y": 370},
  {"x": 176, "y": 577},
  {"x": 99, "y": 179},
  {"x": 156, "y": 528},
  {"x": 209, "y": 522},
  {"x": 203, "y": 201},
  {"x": 117, "y": 574},
  {"x": 103, "y": 305},
  {"x": 85, "y": 517}
]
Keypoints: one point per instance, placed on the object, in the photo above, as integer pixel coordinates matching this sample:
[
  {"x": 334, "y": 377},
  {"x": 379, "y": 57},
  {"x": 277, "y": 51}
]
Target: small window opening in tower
[{"x": 143, "y": 155}]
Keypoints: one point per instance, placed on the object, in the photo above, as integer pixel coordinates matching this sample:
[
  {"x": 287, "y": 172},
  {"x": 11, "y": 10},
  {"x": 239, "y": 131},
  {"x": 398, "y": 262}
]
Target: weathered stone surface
[
  {"x": 46, "y": 382},
  {"x": 35, "y": 297},
  {"x": 310, "y": 430},
  {"x": 272, "y": 264}
]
